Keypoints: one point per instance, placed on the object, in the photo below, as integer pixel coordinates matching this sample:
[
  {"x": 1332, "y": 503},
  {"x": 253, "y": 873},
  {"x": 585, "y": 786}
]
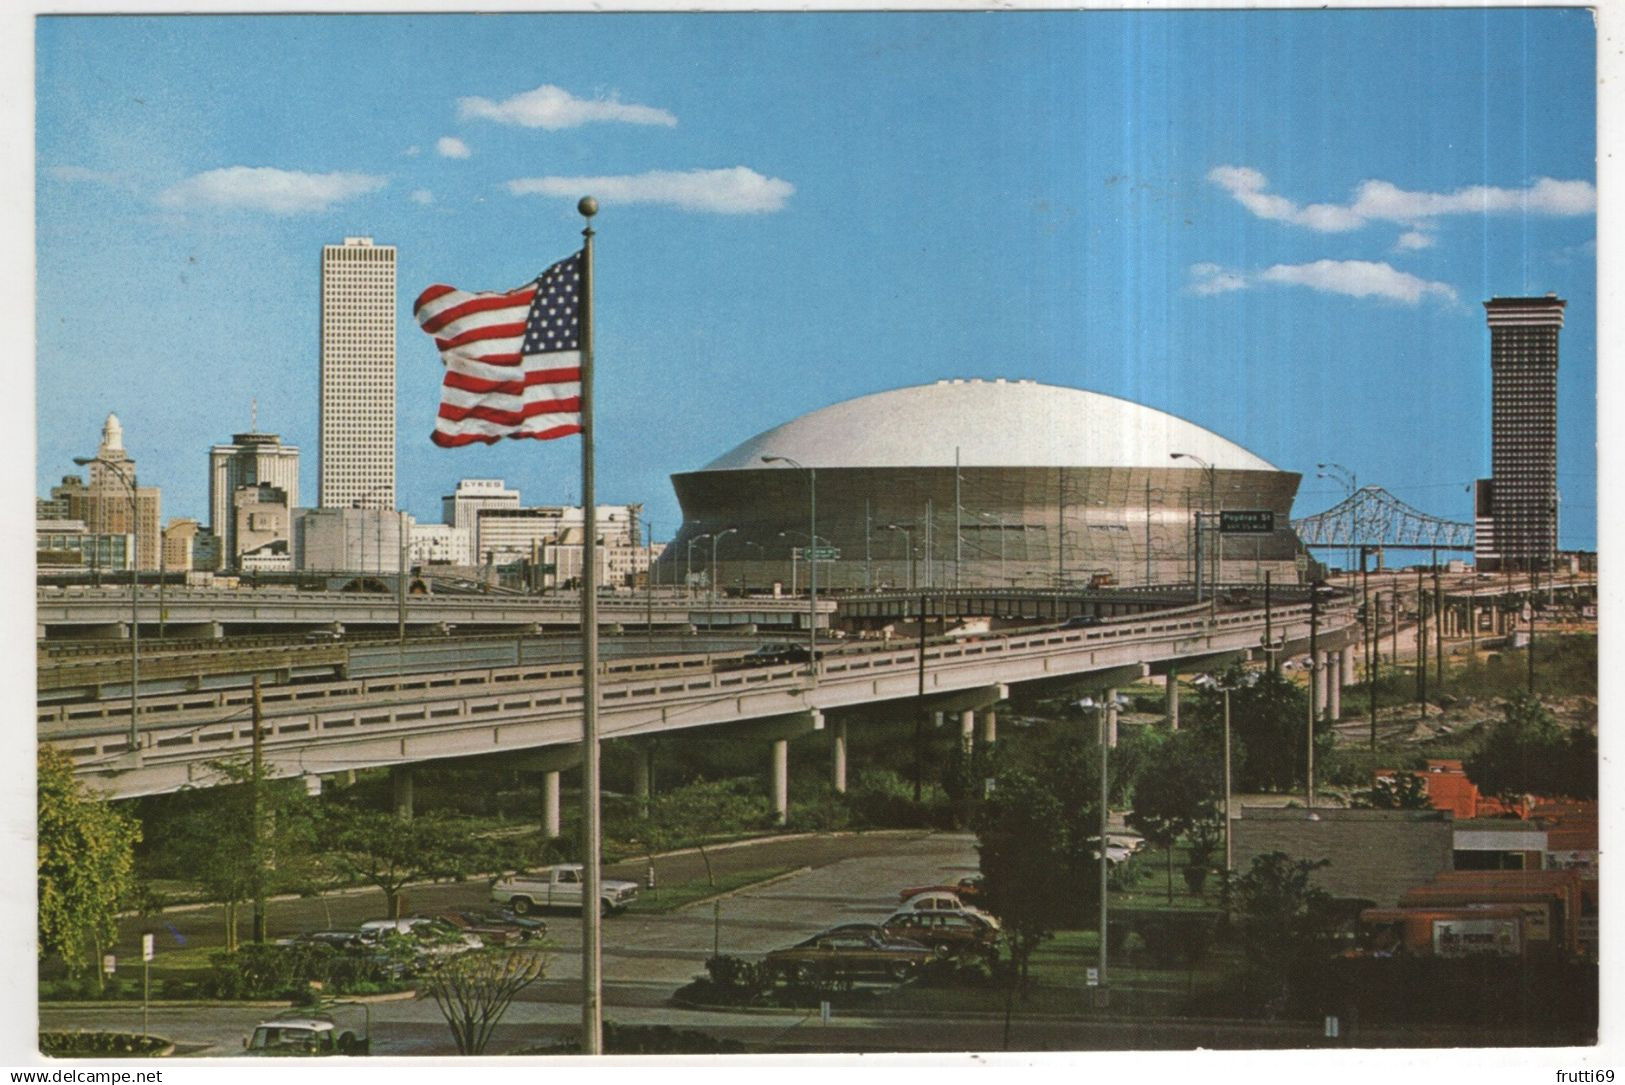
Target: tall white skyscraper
[{"x": 358, "y": 375}]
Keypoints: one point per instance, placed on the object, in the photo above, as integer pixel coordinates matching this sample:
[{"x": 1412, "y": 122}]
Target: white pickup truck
[{"x": 559, "y": 887}]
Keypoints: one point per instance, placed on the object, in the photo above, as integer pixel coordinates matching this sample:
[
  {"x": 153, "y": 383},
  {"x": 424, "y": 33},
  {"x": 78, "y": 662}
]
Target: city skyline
[{"x": 1253, "y": 247}]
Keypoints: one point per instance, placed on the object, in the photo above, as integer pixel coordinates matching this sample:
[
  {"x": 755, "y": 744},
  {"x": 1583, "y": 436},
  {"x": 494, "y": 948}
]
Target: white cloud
[
  {"x": 736, "y": 191},
  {"x": 1247, "y": 186},
  {"x": 1411, "y": 240},
  {"x": 422, "y": 196},
  {"x": 451, "y": 147},
  {"x": 1354, "y": 278},
  {"x": 553, "y": 107},
  {"x": 80, "y": 173},
  {"x": 1387, "y": 202},
  {"x": 263, "y": 188},
  {"x": 413, "y": 151}
]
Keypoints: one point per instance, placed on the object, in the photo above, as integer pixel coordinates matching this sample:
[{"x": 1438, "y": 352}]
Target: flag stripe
[
  {"x": 456, "y": 440},
  {"x": 486, "y": 412},
  {"x": 509, "y": 386},
  {"x": 474, "y": 306},
  {"x": 482, "y": 333}
]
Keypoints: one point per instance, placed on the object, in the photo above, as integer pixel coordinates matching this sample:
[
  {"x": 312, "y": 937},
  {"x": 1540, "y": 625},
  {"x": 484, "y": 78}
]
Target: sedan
[
  {"x": 496, "y": 928},
  {"x": 849, "y": 955},
  {"x": 947, "y": 933}
]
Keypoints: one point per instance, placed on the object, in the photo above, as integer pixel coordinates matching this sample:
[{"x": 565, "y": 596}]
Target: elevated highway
[{"x": 530, "y": 715}]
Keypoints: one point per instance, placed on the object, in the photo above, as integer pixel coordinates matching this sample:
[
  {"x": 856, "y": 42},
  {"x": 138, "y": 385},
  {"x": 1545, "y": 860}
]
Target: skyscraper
[
  {"x": 358, "y": 375},
  {"x": 1523, "y": 428},
  {"x": 251, "y": 459}
]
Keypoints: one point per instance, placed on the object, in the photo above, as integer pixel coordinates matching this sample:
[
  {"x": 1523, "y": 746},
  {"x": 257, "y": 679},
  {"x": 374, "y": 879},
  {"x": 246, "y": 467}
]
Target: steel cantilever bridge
[{"x": 1373, "y": 517}]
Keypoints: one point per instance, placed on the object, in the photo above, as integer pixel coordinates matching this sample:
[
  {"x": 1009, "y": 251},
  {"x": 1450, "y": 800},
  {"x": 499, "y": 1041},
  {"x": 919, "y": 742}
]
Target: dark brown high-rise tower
[{"x": 1523, "y": 429}]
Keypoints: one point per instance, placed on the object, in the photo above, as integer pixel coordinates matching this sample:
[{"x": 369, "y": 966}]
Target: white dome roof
[{"x": 992, "y": 424}]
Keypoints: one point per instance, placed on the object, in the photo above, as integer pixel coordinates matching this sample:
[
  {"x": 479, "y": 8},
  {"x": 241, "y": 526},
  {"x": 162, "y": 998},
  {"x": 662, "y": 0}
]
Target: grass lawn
[{"x": 670, "y": 896}]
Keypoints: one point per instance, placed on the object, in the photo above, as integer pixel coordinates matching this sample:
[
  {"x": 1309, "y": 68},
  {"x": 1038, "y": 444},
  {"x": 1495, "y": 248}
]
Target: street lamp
[
  {"x": 1212, "y": 501},
  {"x": 908, "y": 545},
  {"x": 688, "y": 575},
  {"x": 129, "y": 480},
  {"x": 744, "y": 587},
  {"x": 812, "y": 557},
  {"x": 1340, "y": 474},
  {"x": 718, "y": 537}
]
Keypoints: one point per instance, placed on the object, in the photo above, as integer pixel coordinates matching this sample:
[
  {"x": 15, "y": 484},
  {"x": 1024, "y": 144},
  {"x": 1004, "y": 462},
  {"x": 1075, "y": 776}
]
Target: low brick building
[{"x": 1375, "y": 855}]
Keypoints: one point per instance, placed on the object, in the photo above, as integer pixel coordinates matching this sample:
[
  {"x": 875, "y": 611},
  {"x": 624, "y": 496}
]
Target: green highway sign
[
  {"x": 821, "y": 553},
  {"x": 1246, "y": 521}
]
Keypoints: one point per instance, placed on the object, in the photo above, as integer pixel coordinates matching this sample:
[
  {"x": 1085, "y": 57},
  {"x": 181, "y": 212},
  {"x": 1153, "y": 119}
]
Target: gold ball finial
[{"x": 588, "y": 206}]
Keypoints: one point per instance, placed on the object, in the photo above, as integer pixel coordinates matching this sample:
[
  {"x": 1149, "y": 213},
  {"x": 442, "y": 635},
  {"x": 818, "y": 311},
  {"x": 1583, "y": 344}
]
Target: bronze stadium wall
[{"x": 1032, "y": 527}]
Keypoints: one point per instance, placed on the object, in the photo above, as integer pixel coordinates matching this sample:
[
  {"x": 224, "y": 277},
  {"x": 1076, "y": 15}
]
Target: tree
[
  {"x": 1400, "y": 791},
  {"x": 474, "y": 990},
  {"x": 213, "y": 837},
  {"x": 1284, "y": 919},
  {"x": 1528, "y": 752},
  {"x": 86, "y": 865},
  {"x": 1025, "y": 865},
  {"x": 1174, "y": 791},
  {"x": 388, "y": 850},
  {"x": 1268, "y": 718}
]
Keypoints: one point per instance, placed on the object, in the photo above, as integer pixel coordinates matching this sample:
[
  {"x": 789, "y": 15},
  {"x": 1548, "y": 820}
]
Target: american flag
[{"x": 513, "y": 360}]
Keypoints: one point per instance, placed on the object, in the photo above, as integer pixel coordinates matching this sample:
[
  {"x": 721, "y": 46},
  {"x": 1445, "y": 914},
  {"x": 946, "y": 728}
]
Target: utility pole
[
  {"x": 1371, "y": 631},
  {"x": 1269, "y": 631},
  {"x": 919, "y": 713},
  {"x": 1438, "y": 626},
  {"x": 1314, "y": 688},
  {"x": 1421, "y": 645},
  {"x": 256, "y": 815}
]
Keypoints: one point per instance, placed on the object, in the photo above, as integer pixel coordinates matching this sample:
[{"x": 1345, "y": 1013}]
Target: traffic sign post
[
  {"x": 146, "y": 977},
  {"x": 821, "y": 553}
]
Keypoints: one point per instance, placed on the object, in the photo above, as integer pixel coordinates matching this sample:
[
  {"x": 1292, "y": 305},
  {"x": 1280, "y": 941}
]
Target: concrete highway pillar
[
  {"x": 1334, "y": 685},
  {"x": 1111, "y": 717},
  {"x": 1172, "y": 711},
  {"x": 936, "y": 719},
  {"x": 550, "y": 805},
  {"x": 781, "y": 780},
  {"x": 400, "y": 780},
  {"x": 967, "y": 729},
  {"x": 990, "y": 727},
  {"x": 837, "y": 756},
  {"x": 643, "y": 775},
  {"x": 1322, "y": 680},
  {"x": 1349, "y": 659}
]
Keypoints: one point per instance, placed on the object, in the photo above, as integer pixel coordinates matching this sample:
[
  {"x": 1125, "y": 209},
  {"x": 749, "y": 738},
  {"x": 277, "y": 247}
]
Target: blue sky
[{"x": 1279, "y": 225}]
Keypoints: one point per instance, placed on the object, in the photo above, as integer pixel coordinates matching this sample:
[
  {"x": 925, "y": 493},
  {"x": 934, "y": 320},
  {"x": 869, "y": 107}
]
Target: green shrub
[
  {"x": 112, "y": 1045},
  {"x": 881, "y": 798}
]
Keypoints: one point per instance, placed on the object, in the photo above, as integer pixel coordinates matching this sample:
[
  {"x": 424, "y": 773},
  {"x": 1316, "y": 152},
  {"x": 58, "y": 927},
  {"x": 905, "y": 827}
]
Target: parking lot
[{"x": 840, "y": 878}]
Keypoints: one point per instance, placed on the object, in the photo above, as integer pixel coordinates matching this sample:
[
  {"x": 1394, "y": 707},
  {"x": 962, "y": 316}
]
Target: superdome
[
  {"x": 970, "y": 484},
  {"x": 988, "y": 424}
]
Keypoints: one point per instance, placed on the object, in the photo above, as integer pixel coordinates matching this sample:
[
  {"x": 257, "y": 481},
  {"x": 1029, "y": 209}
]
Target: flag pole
[{"x": 592, "y": 981}]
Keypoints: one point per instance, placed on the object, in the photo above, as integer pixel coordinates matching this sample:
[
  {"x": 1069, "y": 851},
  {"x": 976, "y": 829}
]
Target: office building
[
  {"x": 250, "y": 460},
  {"x": 462, "y": 506},
  {"x": 356, "y": 541},
  {"x": 1523, "y": 428},
  {"x": 106, "y": 500},
  {"x": 503, "y": 535},
  {"x": 358, "y": 376}
]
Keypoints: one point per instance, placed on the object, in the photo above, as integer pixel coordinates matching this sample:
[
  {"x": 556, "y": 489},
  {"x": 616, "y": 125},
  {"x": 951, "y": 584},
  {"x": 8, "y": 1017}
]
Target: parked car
[
  {"x": 559, "y": 887},
  {"x": 966, "y": 889},
  {"x": 304, "y": 1033},
  {"x": 849, "y": 955},
  {"x": 939, "y": 901},
  {"x": 947, "y": 933},
  {"x": 433, "y": 937},
  {"x": 336, "y": 939},
  {"x": 496, "y": 928}
]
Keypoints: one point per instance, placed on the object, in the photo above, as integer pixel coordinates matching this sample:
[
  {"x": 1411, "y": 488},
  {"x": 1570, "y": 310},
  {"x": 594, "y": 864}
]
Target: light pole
[
  {"x": 908, "y": 545},
  {"x": 812, "y": 557},
  {"x": 1346, "y": 478},
  {"x": 718, "y": 537},
  {"x": 688, "y": 574},
  {"x": 129, "y": 480},
  {"x": 1212, "y": 500},
  {"x": 744, "y": 588}
]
